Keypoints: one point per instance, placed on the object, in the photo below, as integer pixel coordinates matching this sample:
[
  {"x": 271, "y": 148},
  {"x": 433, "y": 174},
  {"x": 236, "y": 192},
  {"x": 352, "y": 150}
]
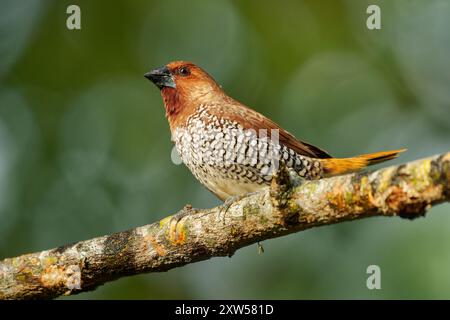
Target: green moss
[
  {"x": 21, "y": 277},
  {"x": 348, "y": 198},
  {"x": 249, "y": 209},
  {"x": 187, "y": 225},
  {"x": 164, "y": 221},
  {"x": 263, "y": 219},
  {"x": 49, "y": 260},
  {"x": 309, "y": 188},
  {"x": 385, "y": 180},
  {"x": 293, "y": 206},
  {"x": 419, "y": 176},
  {"x": 364, "y": 181},
  {"x": 234, "y": 231}
]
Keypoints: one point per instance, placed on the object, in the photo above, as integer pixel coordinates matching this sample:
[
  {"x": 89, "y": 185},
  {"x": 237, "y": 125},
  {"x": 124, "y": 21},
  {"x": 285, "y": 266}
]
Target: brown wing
[
  {"x": 302, "y": 147},
  {"x": 251, "y": 119}
]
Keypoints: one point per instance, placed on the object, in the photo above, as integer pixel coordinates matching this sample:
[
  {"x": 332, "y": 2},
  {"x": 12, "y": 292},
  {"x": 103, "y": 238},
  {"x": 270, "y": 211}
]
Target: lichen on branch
[{"x": 287, "y": 206}]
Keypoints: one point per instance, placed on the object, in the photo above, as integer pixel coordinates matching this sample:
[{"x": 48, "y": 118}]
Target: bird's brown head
[{"x": 183, "y": 86}]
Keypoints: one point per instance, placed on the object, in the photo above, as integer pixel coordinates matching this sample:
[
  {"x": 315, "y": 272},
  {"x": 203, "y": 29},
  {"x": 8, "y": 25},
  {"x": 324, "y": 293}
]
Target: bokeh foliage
[{"x": 85, "y": 149}]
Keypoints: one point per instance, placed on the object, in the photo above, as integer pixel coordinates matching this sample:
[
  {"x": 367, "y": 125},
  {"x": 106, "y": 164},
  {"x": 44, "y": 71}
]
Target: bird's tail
[{"x": 336, "y": 166}]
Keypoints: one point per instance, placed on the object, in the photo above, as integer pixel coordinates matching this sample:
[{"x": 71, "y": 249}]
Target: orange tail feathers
[{"x": 336, "y": 166}]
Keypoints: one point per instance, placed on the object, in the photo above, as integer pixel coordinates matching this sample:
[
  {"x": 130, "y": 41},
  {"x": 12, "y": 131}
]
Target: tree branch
[{"x": 287, "y": 206}]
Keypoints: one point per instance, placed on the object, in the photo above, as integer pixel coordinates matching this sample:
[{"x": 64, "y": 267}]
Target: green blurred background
[{"x": 85, "y": 149}]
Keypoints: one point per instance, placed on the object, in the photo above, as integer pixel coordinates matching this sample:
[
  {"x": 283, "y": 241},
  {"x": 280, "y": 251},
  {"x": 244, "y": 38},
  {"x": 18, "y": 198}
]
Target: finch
[{"x": 232, "y": 149}]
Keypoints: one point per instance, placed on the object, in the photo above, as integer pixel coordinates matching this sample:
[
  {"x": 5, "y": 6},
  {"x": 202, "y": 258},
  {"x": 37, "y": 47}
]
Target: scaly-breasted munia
[{"x": 230, "y": 148}]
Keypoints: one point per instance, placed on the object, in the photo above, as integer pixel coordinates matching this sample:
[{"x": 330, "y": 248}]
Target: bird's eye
[{"x": 184, "y": 71}]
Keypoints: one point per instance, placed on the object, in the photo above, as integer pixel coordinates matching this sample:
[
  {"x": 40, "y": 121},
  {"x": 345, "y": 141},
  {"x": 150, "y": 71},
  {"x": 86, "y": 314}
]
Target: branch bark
[{"x": 287, "y": 206}]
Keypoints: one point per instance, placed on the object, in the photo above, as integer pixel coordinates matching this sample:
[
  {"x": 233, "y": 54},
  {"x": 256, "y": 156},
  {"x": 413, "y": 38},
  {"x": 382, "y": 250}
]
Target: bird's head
[{"x": 184, "y": 86}]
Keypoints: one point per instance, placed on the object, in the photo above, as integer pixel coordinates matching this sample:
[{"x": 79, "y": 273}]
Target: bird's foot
[
  {"x": 230, "y": 201},
  {"x": 187, "y": 210},
  {"x": 177, "y": 233}
]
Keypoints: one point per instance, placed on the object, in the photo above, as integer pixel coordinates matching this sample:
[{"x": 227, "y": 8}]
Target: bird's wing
[{"x": 250, "y": 119}]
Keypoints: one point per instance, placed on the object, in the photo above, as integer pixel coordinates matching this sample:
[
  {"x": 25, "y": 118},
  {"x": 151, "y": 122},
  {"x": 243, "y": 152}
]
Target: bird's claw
[
  {"x": 226, "y": 206},
  {"x": 229, "y": 202},
  {"x": 187, "y": 210}
]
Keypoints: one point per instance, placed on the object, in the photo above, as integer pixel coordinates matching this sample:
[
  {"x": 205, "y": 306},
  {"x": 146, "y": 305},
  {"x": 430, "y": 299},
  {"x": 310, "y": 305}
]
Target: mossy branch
[{"x": 407, "y": 191}]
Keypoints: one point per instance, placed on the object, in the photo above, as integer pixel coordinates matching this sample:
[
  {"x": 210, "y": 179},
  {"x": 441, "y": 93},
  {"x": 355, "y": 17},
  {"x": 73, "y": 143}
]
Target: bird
[{"x": 232, "y": 149}]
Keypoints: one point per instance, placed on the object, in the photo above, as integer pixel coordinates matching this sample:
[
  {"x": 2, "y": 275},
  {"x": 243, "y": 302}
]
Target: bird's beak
[{"x": 161, "y": 77}]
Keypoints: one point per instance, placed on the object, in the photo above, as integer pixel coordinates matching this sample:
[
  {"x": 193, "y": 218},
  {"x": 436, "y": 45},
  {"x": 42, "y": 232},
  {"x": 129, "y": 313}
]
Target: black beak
[{"x": 161, "y": 77}]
